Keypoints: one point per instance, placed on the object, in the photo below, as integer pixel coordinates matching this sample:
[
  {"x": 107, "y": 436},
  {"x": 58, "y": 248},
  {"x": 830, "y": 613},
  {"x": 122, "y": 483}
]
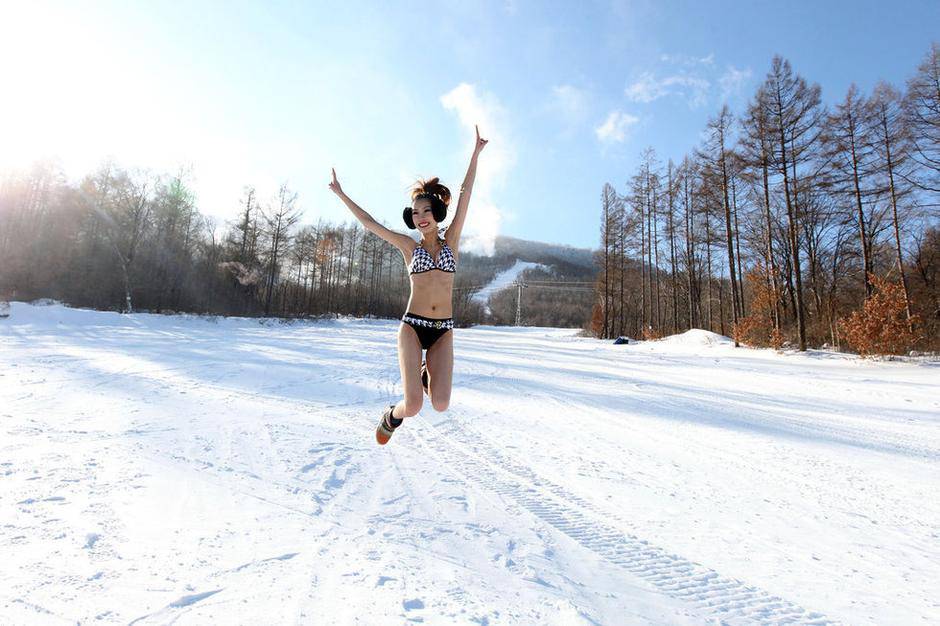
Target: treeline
[
  {"x": 132, "y": 241},
  {"x": 790, "y": 222},
  {"x": 126, "y": 241}
]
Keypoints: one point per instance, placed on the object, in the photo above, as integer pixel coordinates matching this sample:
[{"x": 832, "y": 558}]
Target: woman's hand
[
  {"x": 334, "y": 186},
  {"x": 480, "y": 142}
]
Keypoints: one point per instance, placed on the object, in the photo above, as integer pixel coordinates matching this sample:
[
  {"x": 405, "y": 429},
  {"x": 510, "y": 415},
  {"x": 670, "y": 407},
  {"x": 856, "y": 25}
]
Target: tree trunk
[
  {"x": 894, "y": 212},
  {"x": 794, "y": 249}
]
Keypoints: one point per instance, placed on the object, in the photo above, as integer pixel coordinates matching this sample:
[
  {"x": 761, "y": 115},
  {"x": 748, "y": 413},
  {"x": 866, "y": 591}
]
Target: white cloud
[
  {"x": 616, "y": 127},
  {"x": 570, "y": 102},
  {"x": 733, "y": 80},
  {"x": 474, "y": 107},
  {"x": 648, "y": 88},
  {"x": 571, "y": 107},
  {"x": 684, "y": 59},
  {"x": 694, "y": 89}
]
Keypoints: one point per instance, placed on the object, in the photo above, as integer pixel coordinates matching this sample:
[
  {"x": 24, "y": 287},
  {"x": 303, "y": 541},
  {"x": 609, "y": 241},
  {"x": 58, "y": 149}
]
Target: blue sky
[{"x": 568, "y": 93}]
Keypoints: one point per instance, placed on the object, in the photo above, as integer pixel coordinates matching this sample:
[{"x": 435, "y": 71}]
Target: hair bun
[{"x": 432, "y": 186}]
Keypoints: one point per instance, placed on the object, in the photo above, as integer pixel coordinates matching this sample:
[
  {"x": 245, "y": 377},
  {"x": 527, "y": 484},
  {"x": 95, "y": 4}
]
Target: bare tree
[
  {"x": 122, "y": 203},
  {"x": 794, "y": 113},
  {"x": 850, "y": 154},
  {"x": 756, "y": 142},
  {"x": 671, "y": 231},
  {"x": 892, "y": 149},
  {"x": 280, "y": 218},
  {"x": 716, "y": 151},
  {"x": 922, "y": 106},
  {"x": 608, "y": 242}
]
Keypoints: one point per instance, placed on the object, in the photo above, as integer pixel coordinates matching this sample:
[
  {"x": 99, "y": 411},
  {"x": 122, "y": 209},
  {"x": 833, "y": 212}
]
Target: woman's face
[{"x": 423, "y": 217}]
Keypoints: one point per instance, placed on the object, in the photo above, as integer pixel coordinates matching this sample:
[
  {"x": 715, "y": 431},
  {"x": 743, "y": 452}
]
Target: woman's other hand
[
  {"x": 480, "y": 142},
  {"x": 334, "y": 186}
]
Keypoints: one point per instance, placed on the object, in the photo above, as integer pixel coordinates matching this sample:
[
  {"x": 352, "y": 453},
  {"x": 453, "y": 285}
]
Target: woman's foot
[
  {"x": 387, "y": 426},
  {"x": 424, "y": 377}
]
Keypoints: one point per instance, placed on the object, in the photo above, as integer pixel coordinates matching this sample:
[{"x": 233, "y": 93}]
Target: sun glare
[{"x": 77, "y": 90}]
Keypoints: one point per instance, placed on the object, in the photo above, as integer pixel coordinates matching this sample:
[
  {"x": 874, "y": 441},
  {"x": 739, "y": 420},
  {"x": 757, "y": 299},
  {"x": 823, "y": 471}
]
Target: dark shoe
[
  {"x": 424, "y": 377},
  {"x": 387, "y": 426}
]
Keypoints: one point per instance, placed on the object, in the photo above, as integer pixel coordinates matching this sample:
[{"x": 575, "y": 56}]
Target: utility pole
[{"x": 519, "y": 287}]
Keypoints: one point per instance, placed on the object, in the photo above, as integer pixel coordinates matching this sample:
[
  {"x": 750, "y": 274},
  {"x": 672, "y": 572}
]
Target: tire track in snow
[
  {"x": 715, "y": 596},
  {"x": 183, "y": 602}
]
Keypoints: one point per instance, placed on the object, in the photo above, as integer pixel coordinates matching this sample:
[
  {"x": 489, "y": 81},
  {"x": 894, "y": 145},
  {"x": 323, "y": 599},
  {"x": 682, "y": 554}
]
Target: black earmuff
[
  {"x": 406, "y": 214},
  {"x": 438, "y": 209}
]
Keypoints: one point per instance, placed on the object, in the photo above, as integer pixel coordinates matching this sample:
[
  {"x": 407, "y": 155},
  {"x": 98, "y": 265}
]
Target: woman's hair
[
  {"x": 431, "y": 186},
  {"x": 433, "y": 190}
]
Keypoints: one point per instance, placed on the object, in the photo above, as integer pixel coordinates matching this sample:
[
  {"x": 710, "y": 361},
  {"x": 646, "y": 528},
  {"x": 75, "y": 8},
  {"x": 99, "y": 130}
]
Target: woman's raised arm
[
  {"x": 456, "y": 225},
  {"x": 401, "y": 241}
]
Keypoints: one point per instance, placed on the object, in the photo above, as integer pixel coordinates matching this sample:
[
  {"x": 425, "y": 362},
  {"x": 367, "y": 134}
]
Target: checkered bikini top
[{"x": 421, "y": 260}]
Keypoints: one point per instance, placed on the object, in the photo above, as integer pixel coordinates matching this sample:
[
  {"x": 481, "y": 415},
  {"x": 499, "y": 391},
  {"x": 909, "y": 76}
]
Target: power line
[
  {"x": 560, "y": 285},
  {"x": 550, "y": 285},
  {"x": 559, "y": 282}
]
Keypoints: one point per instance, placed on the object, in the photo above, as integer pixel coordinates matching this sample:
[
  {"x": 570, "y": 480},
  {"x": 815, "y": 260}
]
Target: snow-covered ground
[
  {"x": 503, "y": 280},
  {"x": 180, "y": 470}
]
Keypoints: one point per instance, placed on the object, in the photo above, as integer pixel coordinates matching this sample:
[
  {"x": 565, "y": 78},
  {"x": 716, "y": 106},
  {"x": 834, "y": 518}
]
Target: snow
[
  {"x": 503, "y": 280},
  {"x": 697, "y": 337},
  {"x": 177, "y": 469}
]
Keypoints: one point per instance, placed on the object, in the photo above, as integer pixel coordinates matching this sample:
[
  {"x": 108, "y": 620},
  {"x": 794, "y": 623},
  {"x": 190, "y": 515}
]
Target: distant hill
[
  {"x": 542, "y": 305},
  {"x": 546, "y": 253}
]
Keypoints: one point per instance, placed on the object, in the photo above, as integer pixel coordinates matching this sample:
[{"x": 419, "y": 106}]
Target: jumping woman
[{"x": 428, "y": 321}]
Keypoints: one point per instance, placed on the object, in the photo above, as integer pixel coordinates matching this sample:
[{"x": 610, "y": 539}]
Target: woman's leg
[
  {"x": 440, "y": 370},
  {"x": 409, "y": 362}
]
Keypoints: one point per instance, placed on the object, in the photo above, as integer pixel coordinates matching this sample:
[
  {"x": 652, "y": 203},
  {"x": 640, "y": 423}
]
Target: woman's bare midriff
[{"x": 431, "y": 294}]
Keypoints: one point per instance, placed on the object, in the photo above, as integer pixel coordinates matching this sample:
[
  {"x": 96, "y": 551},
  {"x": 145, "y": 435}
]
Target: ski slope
[
  {"x": 174, "y": 469},
  {"x": 503, "y": 280}
]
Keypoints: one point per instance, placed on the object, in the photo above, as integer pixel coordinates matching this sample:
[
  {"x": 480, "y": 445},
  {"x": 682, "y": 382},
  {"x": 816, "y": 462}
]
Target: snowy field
[{"x": 160, "y": 469}]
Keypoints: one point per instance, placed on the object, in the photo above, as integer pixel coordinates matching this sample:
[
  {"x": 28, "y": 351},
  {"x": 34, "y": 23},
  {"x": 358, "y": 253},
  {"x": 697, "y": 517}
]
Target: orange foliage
[
  {"x": 757, "y": 329},
  {"x": 597, "y": 320},
  {"x": 881, "y": 325}
]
